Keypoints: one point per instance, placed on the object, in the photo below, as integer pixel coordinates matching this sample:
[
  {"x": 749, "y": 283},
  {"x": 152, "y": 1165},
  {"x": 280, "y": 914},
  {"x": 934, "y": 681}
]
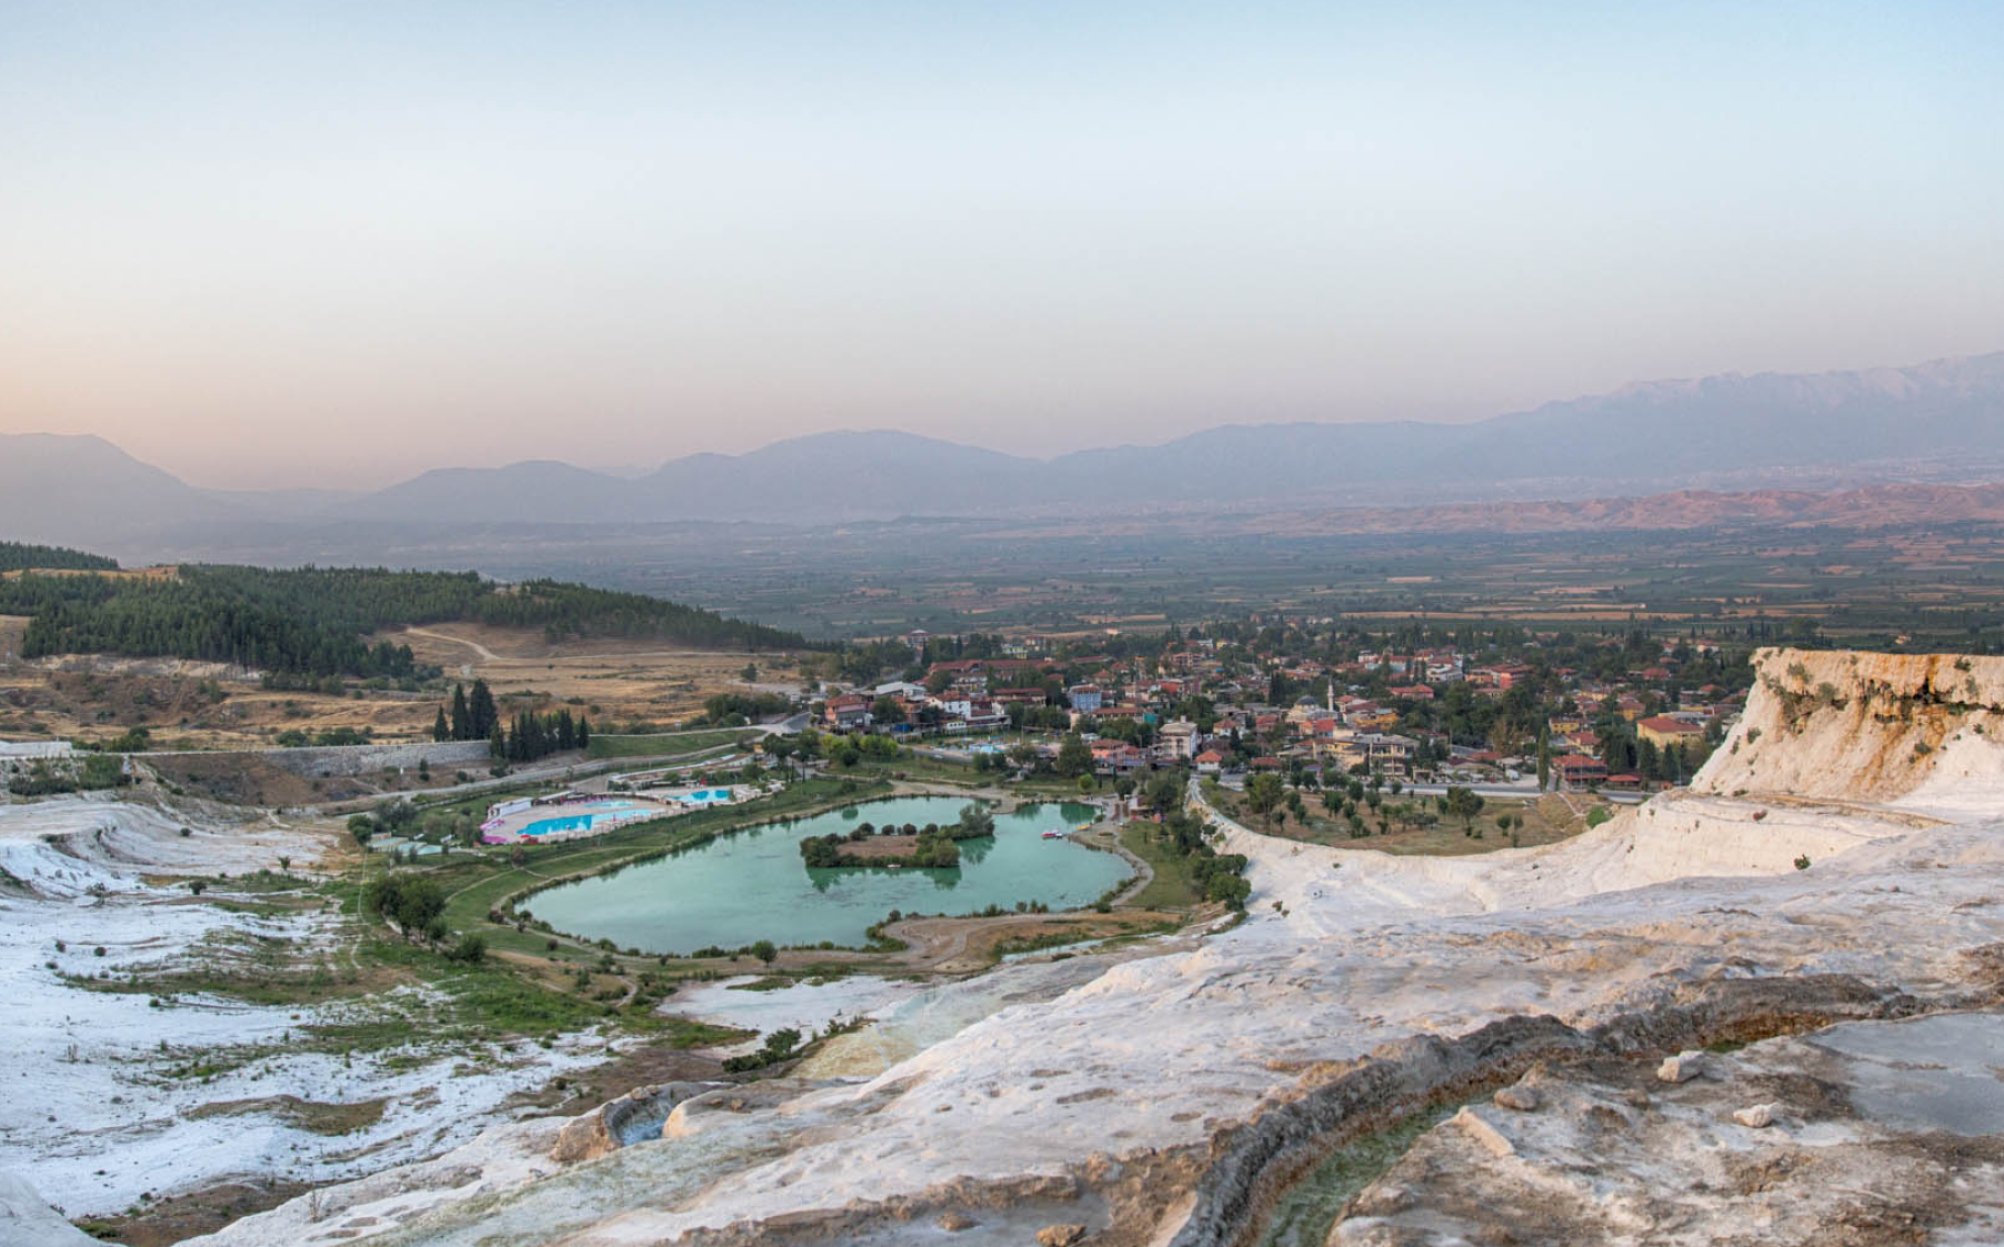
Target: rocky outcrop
[
  {"x": 25, "y": 1221},
  {"x": 1251, "y": 1165},
  {"x": 1850, "y": 726},
  {"x": 1865, "y": 1133}
]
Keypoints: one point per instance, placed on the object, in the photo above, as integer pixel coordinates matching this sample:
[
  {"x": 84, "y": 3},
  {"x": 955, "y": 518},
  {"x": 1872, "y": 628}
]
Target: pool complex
[{"x": 586, "y": 816}]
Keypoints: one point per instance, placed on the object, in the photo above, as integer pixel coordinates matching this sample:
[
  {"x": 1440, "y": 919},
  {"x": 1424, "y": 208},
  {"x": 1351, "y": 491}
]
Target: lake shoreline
[{"x": 744, "y": 885}]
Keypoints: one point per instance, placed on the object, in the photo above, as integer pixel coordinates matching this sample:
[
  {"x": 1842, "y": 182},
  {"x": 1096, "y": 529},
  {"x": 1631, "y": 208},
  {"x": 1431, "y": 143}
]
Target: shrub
[
  {"x": 1802, "y": 862},
  {"x": 102, "y": 770}
]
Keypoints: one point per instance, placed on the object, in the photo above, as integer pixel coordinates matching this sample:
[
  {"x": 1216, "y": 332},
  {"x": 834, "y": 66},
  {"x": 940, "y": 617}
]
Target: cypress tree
[
  {"x": 462, "y": 725},
  {"x": 439, "y": 730},
  {"x": 485, "y": 718}
]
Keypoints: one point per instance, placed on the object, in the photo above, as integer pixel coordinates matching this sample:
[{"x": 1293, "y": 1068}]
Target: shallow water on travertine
[
  {"x": 1937, "y": 1073},
  {"x": 752, "y": 885}
]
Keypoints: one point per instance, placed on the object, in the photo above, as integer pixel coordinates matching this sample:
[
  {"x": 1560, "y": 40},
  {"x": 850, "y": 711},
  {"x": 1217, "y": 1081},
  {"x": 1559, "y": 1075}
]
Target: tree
[
  {"x": 1544, "y": 757},
  {"x": 976, "y": 820},
  {"x": 1074, "y": 759},
  {"x": 439, "y": 729},
  {"x": 1464, "y": 804},
  {"x": 482, "y": 717},
  {"x": 764, "y": 951},
  {"x": 414, "y": 903},
  {"x": 887, "y": 711},
  {"x": 779, "y": 749},
  {"x": 1264, "y": 793},
  {"x": 462, "y": 721}
]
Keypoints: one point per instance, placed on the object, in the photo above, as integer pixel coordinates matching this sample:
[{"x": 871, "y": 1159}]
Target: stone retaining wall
[{"x": 315, "y": 761}]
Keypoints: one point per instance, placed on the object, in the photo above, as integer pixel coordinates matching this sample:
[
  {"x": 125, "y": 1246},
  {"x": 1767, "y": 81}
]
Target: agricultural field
[{"x": 1867, "y": 586}]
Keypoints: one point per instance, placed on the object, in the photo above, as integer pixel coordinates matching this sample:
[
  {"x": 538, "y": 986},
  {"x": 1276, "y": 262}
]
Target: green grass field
[{"x": 1172, "y": 887}]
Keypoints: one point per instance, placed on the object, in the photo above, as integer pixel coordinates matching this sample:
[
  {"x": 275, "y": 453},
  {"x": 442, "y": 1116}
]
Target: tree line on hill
[
  {"x": 309, "y": 622},
  {"x": 19, "y": 556}
]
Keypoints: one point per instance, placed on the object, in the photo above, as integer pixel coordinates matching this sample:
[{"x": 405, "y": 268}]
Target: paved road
[{"x": 1527, "y": 790}]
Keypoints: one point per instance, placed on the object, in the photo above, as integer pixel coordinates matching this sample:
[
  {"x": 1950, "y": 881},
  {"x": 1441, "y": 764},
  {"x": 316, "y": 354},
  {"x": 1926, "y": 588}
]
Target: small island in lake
[{"x": 932, "y": 845}]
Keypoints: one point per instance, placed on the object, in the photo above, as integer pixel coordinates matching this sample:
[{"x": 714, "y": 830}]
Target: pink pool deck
[{"x": 574, "y": 819}]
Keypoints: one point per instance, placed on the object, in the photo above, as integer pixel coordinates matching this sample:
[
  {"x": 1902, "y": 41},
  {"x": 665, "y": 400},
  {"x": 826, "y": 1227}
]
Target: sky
[{"x": 286, "y": 244}]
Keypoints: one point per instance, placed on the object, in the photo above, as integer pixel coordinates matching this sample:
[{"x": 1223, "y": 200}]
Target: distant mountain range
[{"x": 1939, "y": 420}]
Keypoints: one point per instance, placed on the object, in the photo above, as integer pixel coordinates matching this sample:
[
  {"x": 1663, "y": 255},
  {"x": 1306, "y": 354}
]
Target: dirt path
[
  {"x": 1106, "y": 838},
  {"x": 486, "y": 655},
  {"x": 952, "y": 945}
]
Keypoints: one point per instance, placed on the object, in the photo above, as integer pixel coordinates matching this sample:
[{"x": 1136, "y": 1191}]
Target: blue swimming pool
[
  {"x": 707, "y": 796},
  {"x": 613, "y": 811}
]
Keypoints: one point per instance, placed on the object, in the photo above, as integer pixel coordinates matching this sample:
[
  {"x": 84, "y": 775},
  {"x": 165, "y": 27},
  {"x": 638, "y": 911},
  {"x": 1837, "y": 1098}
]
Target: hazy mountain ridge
[{"x": 1649, "y": 437}]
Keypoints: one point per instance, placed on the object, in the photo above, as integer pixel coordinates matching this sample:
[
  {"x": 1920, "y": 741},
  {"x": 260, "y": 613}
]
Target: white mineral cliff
[{"x": 1169, "y": 1098}]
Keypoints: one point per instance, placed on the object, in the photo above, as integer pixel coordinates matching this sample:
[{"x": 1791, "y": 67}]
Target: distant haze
[{"x": 335, "y": 245}]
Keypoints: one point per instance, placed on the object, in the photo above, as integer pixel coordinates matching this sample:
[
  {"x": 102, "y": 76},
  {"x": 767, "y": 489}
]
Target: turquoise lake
[{"x": 752, "y": 885}]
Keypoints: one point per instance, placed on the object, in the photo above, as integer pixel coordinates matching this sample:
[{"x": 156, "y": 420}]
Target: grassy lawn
[
  {"x": 944, "y": 771},
  {"x": 1172, "y": 888},
  {"x": 665, "y": 745},
  {"x": 924, "y": 770}
]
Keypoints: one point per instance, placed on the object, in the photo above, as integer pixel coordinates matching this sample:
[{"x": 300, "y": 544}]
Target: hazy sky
[{"x": 284, "y": 243}]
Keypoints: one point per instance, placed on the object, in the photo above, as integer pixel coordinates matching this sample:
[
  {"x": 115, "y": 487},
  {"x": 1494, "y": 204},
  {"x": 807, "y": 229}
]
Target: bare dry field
[
  {"x": 614, "y": 682},
  {"x": 197, "y": 705}
]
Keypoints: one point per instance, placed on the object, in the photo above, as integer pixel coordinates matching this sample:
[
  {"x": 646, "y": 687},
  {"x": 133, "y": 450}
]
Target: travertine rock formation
[{"x": 1174, "y": 1099}]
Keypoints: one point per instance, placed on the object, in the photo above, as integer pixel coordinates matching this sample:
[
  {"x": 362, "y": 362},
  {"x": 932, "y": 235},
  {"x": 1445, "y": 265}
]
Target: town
[{"x": 1627, "y": 712}]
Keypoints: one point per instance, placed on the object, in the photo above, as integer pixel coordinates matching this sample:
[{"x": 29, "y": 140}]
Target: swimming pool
[
  {"x": 706, "y": 796},
  {"x": 546, "y": 826},
  {"x": 597, "y": 814}
]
